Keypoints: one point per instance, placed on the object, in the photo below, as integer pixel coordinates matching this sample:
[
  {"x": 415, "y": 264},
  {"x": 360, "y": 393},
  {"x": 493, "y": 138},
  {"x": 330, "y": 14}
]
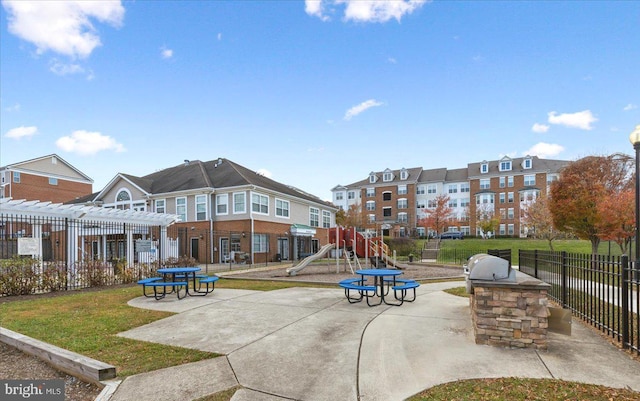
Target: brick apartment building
[
  {"x": 47, "y": 178},
  {"x": 395, "y": 200}
]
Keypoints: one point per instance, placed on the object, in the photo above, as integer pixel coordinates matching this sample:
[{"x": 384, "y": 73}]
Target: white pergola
[{"x": 91, "y": 215}]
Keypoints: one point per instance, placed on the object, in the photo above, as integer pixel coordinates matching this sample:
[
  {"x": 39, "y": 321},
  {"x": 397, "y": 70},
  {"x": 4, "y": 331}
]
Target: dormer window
[
  {"x": 372, "y": 178},
  {"x": 404, "y": 174},
  {"x": 527, "y": 163},
  {"x": 505, "y": 164},
  {"x": 387, "y": 176},
  {"x": 484, "y": 168}
]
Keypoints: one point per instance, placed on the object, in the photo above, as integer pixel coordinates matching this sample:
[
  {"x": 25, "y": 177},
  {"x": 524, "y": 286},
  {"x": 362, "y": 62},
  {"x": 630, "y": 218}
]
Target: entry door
[
  {"x": 224, "y": 250},
  {"x": 195, "y": 251},
  {"x": 283, "y": 248}
]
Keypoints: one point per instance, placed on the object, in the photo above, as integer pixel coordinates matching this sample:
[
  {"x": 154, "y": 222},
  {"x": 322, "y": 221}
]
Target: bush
[
  {"x": 54, "y": 277},
  {"x": 182, "y": 261},
  {"x": 403, "y": 246},
  {"x": 18, "y": 276}
]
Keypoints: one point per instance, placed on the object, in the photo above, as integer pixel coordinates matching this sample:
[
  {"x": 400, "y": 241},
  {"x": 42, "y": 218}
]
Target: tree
[
  {"x": 617, "y": 218},
  {"x": 582, "y": 185},
  {"x": 538, "y": 218},
  {"x": 486, "y": 220},
  {"x": 352, "y": 217},
  {"x": 438, "y": 217}
]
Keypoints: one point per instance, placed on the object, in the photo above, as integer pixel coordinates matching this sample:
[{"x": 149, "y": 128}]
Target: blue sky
[{"x": 315, "y": 93}]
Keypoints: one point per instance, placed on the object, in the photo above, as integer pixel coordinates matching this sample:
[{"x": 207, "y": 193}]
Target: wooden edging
[{"x": 85, "y": 368}]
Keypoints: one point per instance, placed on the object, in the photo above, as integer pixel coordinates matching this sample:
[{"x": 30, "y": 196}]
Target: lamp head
[{"x": 635, "y": 136}]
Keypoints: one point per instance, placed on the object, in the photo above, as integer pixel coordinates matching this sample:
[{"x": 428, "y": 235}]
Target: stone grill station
[{"x": 508, "y": 308}]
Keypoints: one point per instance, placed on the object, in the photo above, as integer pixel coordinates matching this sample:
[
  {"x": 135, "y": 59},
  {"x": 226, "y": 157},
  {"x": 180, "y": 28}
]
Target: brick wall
[
  {"x": 35, "y": 187},
  {"x": 510, "y": 315}
]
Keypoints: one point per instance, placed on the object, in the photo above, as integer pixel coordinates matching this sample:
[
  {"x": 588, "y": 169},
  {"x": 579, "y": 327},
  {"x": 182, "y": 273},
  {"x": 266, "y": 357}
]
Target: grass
[
  {"x": 515, "y": 389},
  {"x": 87, "y": 323}
]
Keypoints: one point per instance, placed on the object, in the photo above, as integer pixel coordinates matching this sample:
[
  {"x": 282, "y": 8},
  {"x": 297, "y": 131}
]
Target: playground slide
[
  {"x": 292, "y": 271},
  {"x": 389, "y": 262}
]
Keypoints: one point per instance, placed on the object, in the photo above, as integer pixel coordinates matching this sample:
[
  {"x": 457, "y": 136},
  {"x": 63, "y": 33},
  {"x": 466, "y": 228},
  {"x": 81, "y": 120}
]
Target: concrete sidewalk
[{"x": 311, "y": 344}]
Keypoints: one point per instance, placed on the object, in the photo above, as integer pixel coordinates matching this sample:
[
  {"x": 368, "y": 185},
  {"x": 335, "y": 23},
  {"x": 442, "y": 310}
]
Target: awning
[{"x": 300, "y": 230}]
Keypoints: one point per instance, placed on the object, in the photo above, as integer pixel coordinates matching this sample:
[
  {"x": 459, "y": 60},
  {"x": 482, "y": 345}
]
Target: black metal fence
[{"x": 601, "y": 290}]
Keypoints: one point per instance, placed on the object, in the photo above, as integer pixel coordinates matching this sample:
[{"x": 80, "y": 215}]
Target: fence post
[
  {"x": 624, "y": 277},
  {"x": 535, "y": 263},
  {"x": 564, "y": 279}
]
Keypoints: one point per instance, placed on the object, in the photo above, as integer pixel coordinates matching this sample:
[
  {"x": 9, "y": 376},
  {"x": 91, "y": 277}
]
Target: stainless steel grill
[{"x": 487, "y": 268}]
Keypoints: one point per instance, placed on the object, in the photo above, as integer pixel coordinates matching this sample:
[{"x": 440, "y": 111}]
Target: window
[
  {"x": 551, "y": 178},
  {"x": 432, "y": 189},
  {"x": 339, "y": 195},
  {"x": 510, "y": 229},
  {"x": 510, "y": 181},
  {"x": 260, "y": 244},
  {"x": 503, "y": 182},
  {"x": 402, "y": 203},
  {"x": 222, "y": 204},
  {"x": 372, "y": 178},
  {"x": 421, "y": 190},
  {"x": 326, "y": 219},
  {"x": 432, "y": 203},
  {"x": 386, "y": 212},
  {"x": 484, "y": 198},
  {"x": 239, "y": 205},
  {"x": 453, "y": 203},
  {"x": 201, "y": 207},
  {"x": 351, "y": 195},
  {"x": 464, "y": 187},
  {"x": 371, "y": 192},
  {"x": 160, "y": 206},
  {"x": 485, "y": 183},
  {"x": 510, "y": 197},
  {"x": 372, "y": 218},
  {"x": 421, "y": 204},
  {"x": 123, "y": 196},
  {"x": 402, "y": 189},
  {"x": 464, "y": 202},
  {"x": 387, "y": 176},
  {"x": 404, "y": 174},
  {"x": 370, "y": 205},
  {"x": 510, "y": 213},
  {"x": 505, "y": 165},
  {"x": 282, "y": 208},
  {"x": 527, "y": 163},
  {"x": 386, "y": 196},
  {"x": 484, "y": 168},
  {"x": 529, "y": 180},
  {"x": 403, "y": 217},
  {"x": 260, "y": 203},
  {"x": 503, "y": 229},
  {"x": 181, "y": 208},
  {"x": 314, "y": 217},
  {"x": 503, "y": 197},
  {"x": 503, "y": 213},
  {"x": 16, "y": 177},
  {"x": 453, "y": 188},
  {"x": 53, "y": 181}
]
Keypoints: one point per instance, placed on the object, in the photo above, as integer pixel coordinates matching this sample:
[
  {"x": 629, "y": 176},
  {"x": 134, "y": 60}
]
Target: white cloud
[
  {"x": 63, "y": 27},
  {"x": 61, "y": 68},
  {"x": 630, "y": 107},
  {"x": 392, "y": 60},
  {"x": 540, "y": 128},
  {"x": 545, "y": 150},
  {"x": 166, "y": 53},
  {"x": 219, "y": 36},
  {"x": 365, "y": 10},
  {"x": 355, "y": 110},
  {"x": 88, "y": 143},
  {"x": 264, "y": 172},
  {"x": 581, "y": 119},
  {"x": 21, "y": 132}
]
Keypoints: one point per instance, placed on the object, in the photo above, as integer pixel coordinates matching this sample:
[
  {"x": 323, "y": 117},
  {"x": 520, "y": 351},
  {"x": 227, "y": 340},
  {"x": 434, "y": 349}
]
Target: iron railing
[{"x": 601, "y": 290}]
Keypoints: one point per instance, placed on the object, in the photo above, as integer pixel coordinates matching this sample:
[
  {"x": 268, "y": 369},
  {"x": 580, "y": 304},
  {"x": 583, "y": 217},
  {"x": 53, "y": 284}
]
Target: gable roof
[
  {"x": 215, "y": 174},
  {"x": 32, "y": 165}
]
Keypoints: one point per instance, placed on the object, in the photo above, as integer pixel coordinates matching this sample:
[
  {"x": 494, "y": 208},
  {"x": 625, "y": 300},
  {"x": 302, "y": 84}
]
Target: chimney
[{"x": 186, "y": 162}]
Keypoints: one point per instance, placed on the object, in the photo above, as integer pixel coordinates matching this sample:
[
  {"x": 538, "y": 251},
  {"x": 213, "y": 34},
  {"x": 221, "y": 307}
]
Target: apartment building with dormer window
[{"x": 501, "y": 188}]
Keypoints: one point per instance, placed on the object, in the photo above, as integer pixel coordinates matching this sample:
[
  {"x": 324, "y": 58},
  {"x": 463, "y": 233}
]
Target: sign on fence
[{"x": 28, "y": 246}]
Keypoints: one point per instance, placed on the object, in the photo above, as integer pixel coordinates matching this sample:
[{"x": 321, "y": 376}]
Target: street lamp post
[{"x": 635, "y": 141}]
